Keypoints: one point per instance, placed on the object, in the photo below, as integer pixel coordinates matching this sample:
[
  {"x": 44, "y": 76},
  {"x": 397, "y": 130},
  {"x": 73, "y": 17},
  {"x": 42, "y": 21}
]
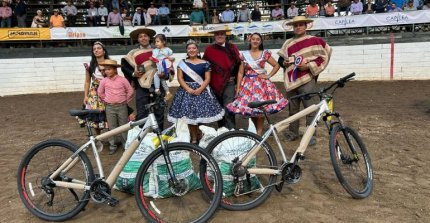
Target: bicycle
[
  {"x": 254, "y": 171},
  {"x": 56, "y": 179}
]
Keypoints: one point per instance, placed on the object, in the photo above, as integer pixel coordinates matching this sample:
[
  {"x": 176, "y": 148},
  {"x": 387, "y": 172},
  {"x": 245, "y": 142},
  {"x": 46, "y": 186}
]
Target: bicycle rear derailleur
[{"x": 100, "y": 192}]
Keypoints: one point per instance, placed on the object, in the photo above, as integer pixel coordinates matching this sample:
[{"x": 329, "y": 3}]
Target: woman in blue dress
[{"x": 194, "y": 101}]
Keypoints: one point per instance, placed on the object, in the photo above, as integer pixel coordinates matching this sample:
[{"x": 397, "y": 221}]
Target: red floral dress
[{"x": 254, "y": 88}]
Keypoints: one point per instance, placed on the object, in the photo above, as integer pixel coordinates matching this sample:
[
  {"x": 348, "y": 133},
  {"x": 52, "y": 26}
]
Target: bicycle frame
[
  {"x": 322, "y": 108},
  {"x": 149, "y": 122}
]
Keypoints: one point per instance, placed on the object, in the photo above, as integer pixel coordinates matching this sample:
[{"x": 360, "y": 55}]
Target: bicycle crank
[
  {"x": 291, "y": 173},
  {"x": 100, "y": 192}
]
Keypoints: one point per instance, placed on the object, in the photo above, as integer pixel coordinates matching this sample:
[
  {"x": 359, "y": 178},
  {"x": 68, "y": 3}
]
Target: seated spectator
[
  {"x": 369, "y": 8},
  {"x": 227, "y": 16},
  {"x": 163, "y": 14},
  {"x": 243, "y": 15},
  {"x": 343, "y": 6},
  {"x": 419, "y": 4},
  {"x": 126, "y": 17},
  {"x": 256, "y": 14},
  {"x": 56, "y": 20},
  {"x": 357, "y": 7},
  {"x": 394, "y": 8},
  {"x": 292, "y": 11},
  {"x": 427, "y": 6},
  {"x": 39, "y": 20},
  {"x": 215, "y": 17},
  {"x": 5, "y": 15},
  {"x": 312, "y": 9},
  {"x": 153, "y": 12},
  {"x": 114, "y": 18},
  {"x": 329, "y": 9},
  {"x": 141, "y": 18},
  {"x": 20, "y": 13},
  {"x": 197, "y": 17},
  {"x": 70, "y": 11},
  {"x": 399, "y": 3},
  {"x": 277, "y": 12},
  {"x": 381, "y": 6},
  {"x": 92, "y": 15},
  {"x": 102, "y": 13},
  {"x": 410, "y": 6}
]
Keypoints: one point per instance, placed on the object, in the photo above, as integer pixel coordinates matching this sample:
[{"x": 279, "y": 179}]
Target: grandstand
[{"x": 179, "y": 30}]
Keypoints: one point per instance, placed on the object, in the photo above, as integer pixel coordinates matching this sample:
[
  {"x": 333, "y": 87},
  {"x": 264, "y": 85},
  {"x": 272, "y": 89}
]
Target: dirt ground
[{"x": 392, "y": 117}]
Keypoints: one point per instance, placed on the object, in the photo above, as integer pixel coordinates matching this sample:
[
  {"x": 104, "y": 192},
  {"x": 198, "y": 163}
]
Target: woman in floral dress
[
  {"x": 93, "y": 76},
  {"x": 253, "y": 84},
  {"x": 194, "y": 101}
]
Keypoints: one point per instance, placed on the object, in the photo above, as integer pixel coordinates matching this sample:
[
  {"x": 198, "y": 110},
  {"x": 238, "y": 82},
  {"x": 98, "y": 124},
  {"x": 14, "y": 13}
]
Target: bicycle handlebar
[{"x": 339, "y": 83}]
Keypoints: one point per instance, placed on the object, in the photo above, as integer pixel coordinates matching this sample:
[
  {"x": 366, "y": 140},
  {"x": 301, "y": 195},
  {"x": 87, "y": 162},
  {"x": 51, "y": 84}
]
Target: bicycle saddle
[
  {"x": 80, "y": 112},
  {"x": 257, "y": 104}
]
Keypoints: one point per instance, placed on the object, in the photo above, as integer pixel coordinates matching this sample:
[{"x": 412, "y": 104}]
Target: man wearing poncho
[{"x": 304, "y": 57}]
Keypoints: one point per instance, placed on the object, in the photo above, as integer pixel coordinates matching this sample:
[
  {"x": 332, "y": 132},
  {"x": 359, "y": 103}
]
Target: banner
[
  {"x": 321, "y": 23},
  {"x": 11, "y": 34}
]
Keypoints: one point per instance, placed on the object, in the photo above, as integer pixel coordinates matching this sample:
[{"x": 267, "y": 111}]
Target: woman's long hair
[
  {"x": 261, "y": 47},
  {"x": 93, "y": 63}
]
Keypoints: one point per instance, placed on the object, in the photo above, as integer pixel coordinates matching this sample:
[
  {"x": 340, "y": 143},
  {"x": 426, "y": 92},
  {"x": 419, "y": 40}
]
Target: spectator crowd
[{"x": 123, "y": 13}]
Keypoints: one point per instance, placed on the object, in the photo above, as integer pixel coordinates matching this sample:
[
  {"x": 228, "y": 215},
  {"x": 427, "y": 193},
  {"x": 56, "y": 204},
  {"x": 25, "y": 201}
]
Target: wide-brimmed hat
[
  {"x": 111, "y": 63},
  {"x": 135, "y": 33},
  {"x": 227, "y": 5},
  {"x": 299, "y": 19},
  {"x": 220, "y": 29}
]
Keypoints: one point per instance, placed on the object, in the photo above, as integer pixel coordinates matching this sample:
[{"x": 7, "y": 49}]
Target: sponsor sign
[{"x": 10, "y": 34}]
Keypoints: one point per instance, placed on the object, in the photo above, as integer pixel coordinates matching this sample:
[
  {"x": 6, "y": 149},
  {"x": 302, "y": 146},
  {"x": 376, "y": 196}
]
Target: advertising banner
[
  {"x": 11, "y": 34},
  {"x": 322, "y": 23}
]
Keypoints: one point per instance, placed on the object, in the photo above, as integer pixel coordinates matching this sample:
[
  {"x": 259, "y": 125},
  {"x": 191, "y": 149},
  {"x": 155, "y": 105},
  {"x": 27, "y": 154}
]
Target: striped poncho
[{"x": 316, "y": 54}]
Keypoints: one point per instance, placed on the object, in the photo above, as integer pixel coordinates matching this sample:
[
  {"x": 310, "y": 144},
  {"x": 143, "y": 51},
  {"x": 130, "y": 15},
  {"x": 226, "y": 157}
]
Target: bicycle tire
[
  {"x": 344, "y": 160},
  {"x": 184, "y": 204},
  {"x": 265, "y": 158},
  {"x": 41, "y": 161}
]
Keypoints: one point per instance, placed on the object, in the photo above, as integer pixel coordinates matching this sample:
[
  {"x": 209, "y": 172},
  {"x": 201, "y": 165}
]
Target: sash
[
  {"x": 252, "y": 63},
  {"x": 192, "y": 74}
]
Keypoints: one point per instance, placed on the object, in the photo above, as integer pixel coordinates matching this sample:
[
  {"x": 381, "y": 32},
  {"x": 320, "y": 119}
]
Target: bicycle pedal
[
  {"x": 111, "y": 201},
  {"x": 279, "y": 186}
]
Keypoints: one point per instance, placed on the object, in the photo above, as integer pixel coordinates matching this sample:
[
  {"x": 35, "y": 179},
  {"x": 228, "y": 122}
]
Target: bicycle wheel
[
  {"x": 40, "y": 196},
  {"x": 351, "y": 162},
  {"x": 161, "y": 199},
  {"x": 252, "y": 190}
]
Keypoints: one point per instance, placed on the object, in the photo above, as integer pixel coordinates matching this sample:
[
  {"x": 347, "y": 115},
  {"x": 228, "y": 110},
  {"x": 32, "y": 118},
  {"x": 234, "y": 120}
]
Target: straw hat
[
  {"x": 135, "y": 33},
  {"x": 227, "y": 6},
  {"x": 299, "y": 19},
  {"x": 111, "y": 63},
  {"x": 220, "y": 29}
]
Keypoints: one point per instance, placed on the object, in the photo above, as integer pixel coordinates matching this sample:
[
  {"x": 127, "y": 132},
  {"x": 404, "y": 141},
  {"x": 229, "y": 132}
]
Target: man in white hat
[
  {"x": 227, "y": 16},
  {"x": 303, "y": 57},
  {"x": 225, "y": 61},
  {"x": 132, "y": 69}
]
